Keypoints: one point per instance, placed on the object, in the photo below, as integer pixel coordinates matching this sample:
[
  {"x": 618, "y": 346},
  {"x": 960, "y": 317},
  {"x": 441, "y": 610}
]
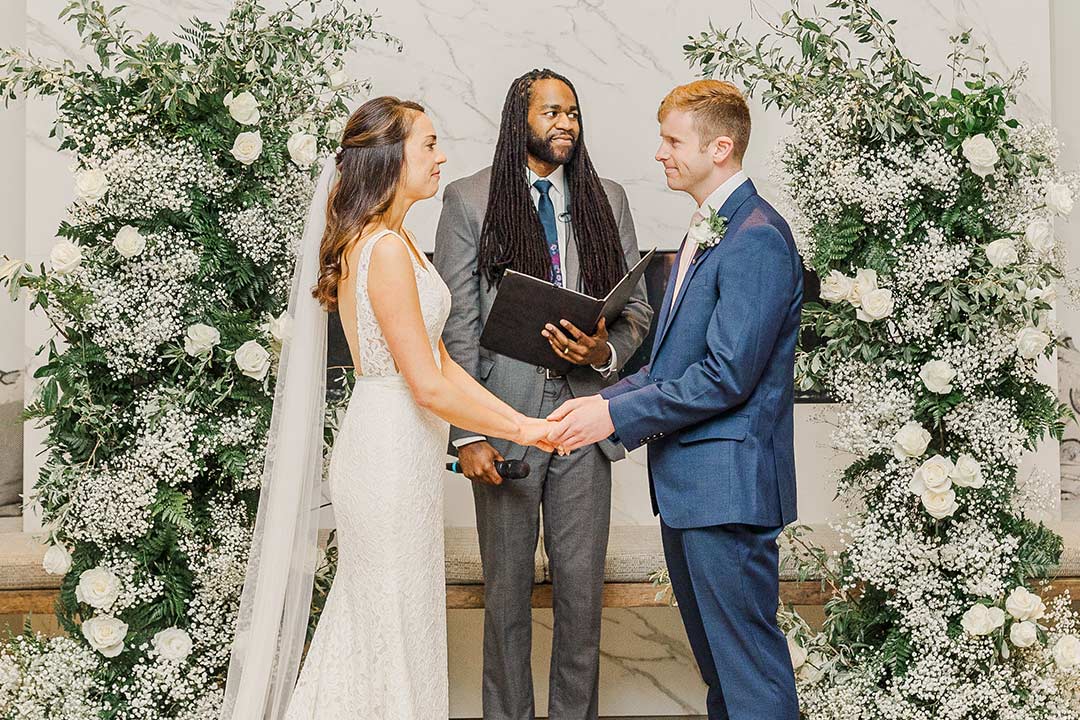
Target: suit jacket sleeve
[
  {"x": 628, "y": 332},
  {"x": 755, "y": 285},
  {"x": 456, "y": 242}
]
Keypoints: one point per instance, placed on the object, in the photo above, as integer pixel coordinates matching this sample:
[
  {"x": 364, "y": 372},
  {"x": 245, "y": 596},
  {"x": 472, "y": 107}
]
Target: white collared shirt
[{"x": 712, "y": 204}]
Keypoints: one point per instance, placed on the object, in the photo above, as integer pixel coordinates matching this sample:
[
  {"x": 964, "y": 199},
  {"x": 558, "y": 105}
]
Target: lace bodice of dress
[{"x": 375, "y": 357}]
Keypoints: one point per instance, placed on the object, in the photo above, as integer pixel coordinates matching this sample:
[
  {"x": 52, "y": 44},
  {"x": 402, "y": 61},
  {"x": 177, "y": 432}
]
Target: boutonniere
[{"x": 710, "y": 231}]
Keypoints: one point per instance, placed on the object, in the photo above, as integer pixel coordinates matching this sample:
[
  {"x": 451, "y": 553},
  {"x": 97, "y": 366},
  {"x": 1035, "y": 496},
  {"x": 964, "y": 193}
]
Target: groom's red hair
[{"x": 719, "y": 108}]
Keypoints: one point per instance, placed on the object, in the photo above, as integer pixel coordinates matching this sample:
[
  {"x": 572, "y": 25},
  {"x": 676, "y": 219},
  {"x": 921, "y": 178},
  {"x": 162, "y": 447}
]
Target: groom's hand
[
  {"x": 576, "y": 346},
  {"x": 580, "y": 422}
]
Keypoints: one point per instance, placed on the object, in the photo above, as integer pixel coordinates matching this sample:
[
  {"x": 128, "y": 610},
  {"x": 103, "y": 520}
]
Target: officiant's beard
[{"x": 545, "y": 150}]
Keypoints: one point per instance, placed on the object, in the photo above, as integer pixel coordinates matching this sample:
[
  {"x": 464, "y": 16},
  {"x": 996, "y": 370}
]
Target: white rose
[
  {"x": 836, "y": 287},
  {"x": 9, "y": 674},
  {"x": 932, "y": 475},
  {"x": 937, "y": 376},
  {"x": 1024, "y": 634},
  {"x": 982, "y": 620},
  {"x": 129, "y": 242},
  {"x": 1059, "y": 198},
  {"x": 334, "y": 128},
  {"x": 244, "y": 108},
  {"x": 1067, "y": 652},
  {"x": 98, "y": 587},
  {"x": 247, "y": 147},
  {"x": 1048, "y": 294},
  {"x": 303, "y": 148},
  {"x": 875, "y": 305},
  {"x": 1030, "y": 342},
  {"x": 865, "y": 282},
  {"x": 280, "y": 327},
  {"x": 699, "y": 233},
  {"x": 338, "y": 78},
  {"x": 8, "y": 268},
  {"x": 172, "y": 644},
  {"x": 1040, "y": 236},
  {"x": 105, "y": 634},
  {"x": 91, "y": 184},
  {"x": 57, "y": 560},
  {"x": 65, "y": 257},
  {"x": 1001, "y": 253},
  {"x": 910, "y": 441},
  {"x": 967, "y": 472},
  {"x": 981, "y": 154},
  {"x": 798, "y": 654},
  {"x": 253, "y": 359},
  {"x": 200, "y": 339},
  {"x": 1023, "y": 604},
  {"x": 939, "y": 505}
]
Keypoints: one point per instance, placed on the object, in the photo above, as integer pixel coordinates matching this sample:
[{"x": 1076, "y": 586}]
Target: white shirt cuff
[
  {"x": 613, "y": 363},
  {"x": 467, "y": 441}
]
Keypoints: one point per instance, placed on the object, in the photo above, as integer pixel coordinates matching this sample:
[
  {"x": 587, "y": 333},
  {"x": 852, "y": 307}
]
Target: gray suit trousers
[{"x": 575, "y": 494}]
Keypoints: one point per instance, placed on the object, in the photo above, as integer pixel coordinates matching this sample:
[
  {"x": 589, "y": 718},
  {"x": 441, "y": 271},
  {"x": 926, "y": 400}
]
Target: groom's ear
[{"x": 722, "y": 149}]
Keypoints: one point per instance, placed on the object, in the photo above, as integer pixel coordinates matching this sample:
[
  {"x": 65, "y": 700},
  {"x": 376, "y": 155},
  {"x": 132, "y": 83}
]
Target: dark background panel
[{"x": 656, "y": 277}]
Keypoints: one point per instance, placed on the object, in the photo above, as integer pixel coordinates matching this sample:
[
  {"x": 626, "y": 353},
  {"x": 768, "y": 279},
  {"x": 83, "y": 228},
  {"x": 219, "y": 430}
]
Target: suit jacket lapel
[
  {"x": 572, "y": 262},
  {"x": 728, "y": 210}
]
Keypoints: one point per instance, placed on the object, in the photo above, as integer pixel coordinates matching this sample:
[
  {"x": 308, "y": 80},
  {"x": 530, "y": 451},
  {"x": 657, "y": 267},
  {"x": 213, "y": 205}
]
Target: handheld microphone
[{"x": 507, "y": 469}]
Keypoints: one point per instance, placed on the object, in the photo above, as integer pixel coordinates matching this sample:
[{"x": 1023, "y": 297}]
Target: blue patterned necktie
[{"x": 551, "y": 234}]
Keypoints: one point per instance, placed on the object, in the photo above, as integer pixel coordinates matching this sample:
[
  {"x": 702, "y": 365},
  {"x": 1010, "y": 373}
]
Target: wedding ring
[{"x": 566, "y": 350}]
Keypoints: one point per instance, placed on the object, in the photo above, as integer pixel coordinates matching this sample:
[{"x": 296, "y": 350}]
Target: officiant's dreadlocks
[{"x": 512, "y": 236}]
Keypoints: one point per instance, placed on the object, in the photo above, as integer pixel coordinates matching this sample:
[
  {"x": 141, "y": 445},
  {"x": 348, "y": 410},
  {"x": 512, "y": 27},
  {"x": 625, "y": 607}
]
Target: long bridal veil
[{"x": 275, "y": 603}]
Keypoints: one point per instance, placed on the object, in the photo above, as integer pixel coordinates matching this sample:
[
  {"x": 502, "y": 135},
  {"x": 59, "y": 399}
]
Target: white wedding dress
[{"x": 379, "y": 652}]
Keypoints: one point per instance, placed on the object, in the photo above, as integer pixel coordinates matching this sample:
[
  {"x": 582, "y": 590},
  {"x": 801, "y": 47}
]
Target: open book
[{"x": 524, "y": 305}]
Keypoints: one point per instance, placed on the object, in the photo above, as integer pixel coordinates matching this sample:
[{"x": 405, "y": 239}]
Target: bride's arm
[
  {"x": 468, "y": 384},
  {"x": 396, "y": 304}
]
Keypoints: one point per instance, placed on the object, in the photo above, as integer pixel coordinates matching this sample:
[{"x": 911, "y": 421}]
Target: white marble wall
[{"x": 459, "y": 57}]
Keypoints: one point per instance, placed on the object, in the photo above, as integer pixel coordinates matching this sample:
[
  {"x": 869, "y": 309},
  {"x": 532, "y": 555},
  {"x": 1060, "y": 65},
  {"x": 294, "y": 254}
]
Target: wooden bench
[{"x": 634, "y": 554}]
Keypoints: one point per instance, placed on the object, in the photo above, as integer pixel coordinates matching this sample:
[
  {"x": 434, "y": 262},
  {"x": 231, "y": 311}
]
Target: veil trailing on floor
[{"x": 271, "y": 627}]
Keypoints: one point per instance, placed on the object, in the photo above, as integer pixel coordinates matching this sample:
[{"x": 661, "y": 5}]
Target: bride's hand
[{"x": 534, "y": 431}]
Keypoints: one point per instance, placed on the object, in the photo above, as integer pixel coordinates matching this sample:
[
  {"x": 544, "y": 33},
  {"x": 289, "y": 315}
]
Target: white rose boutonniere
[{"x": 709, "y": 231}]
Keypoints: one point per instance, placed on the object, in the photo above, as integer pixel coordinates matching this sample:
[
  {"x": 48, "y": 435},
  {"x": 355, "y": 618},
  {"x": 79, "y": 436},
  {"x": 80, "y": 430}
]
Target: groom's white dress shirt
[{"x": 715, "y": 201}]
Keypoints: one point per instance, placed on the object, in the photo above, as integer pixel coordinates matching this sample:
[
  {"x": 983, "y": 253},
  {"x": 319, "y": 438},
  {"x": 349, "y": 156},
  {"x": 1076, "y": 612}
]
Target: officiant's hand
[
  {"x": 577, "y": 347},
  {"x": 477, "y": 462}
]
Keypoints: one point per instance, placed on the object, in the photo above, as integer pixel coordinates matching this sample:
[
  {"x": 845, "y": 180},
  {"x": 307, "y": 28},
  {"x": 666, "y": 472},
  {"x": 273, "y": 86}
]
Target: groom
[{"x": 715, "y": 406}]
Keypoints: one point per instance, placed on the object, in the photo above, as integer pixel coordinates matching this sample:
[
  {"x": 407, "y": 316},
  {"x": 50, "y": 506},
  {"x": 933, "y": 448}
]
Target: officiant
[{"x": 540, "y": 209}]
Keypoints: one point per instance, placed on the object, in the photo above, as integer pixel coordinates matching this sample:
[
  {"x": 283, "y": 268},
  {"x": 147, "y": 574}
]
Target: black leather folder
[{"x": 524, "y": 305}]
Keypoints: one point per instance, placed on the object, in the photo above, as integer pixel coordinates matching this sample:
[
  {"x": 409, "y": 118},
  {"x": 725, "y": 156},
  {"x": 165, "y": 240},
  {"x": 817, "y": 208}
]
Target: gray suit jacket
[{"x": 518, "y": 384}]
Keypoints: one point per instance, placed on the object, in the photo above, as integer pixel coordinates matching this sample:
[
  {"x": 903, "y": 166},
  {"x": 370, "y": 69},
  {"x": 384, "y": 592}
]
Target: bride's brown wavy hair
[{"x": 370, "y": 166}]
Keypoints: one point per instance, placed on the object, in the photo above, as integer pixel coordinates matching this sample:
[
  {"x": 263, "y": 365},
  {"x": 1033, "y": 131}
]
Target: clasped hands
[{"x": 576, "y": 423}]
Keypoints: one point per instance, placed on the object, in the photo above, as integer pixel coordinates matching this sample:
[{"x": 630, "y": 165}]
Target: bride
[{"x": 380, "y": 648}]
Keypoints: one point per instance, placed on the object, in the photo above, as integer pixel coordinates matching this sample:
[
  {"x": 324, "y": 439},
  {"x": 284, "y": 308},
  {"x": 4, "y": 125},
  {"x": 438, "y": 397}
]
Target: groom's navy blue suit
[{"x": 715, "y": 406}]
